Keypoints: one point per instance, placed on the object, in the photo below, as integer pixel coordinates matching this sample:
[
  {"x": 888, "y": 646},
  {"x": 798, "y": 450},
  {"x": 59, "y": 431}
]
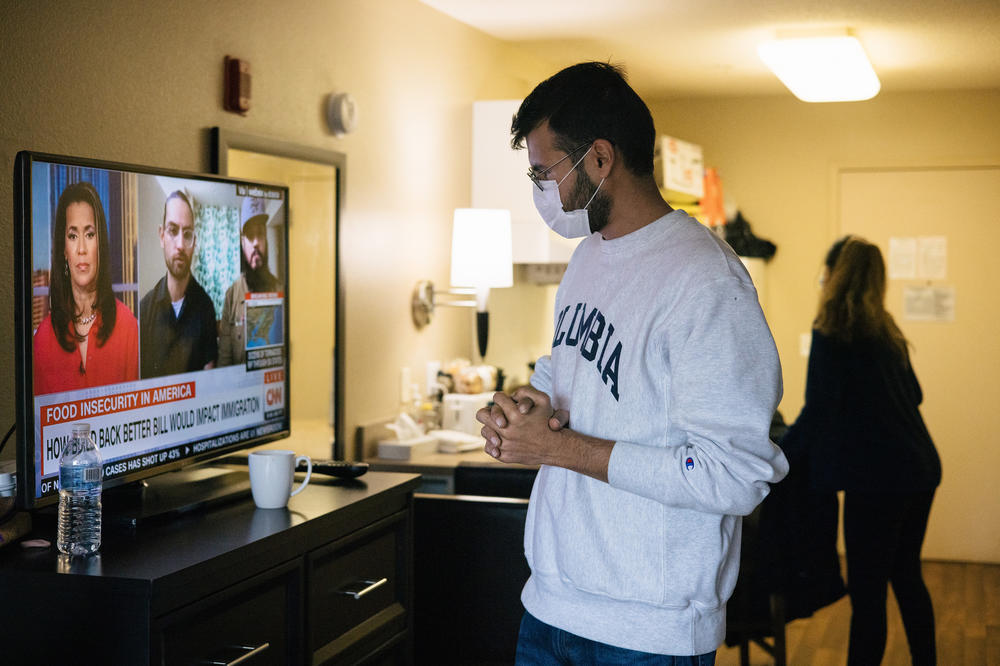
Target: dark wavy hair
[
  {"x": 852, "y": 304},
  {"x": 586, "y": 102},
  {"x": 61, "y": 301}
]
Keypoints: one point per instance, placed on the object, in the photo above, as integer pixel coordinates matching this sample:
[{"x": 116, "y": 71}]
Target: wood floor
[{"x": 966, "y": 600}]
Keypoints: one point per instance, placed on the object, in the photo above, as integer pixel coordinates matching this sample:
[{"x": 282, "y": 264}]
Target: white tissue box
[{"x": 404, "y": 449}]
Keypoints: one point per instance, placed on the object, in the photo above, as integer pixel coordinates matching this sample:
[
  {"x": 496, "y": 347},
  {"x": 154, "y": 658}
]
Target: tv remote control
[{"x": 343, "y": 469}]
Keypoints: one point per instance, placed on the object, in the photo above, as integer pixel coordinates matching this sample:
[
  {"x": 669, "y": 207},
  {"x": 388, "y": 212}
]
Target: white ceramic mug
[{"x": 272, "y": 472}]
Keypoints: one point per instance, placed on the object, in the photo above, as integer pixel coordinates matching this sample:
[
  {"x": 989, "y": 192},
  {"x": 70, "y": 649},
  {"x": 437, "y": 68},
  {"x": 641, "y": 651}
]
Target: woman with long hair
[
  {"x": 861, "y": 431},
  {"x": 89, "y": 337}
]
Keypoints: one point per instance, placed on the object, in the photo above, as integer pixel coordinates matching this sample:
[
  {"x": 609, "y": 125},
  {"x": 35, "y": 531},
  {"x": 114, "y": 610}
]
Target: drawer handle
[
  {"x": 368, "y": 586},
  {"x": 250, "y": 652}
]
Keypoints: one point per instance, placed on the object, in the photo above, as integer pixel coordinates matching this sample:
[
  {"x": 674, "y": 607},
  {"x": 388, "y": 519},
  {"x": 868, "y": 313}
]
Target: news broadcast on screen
[{"x": 158, "y": 315}]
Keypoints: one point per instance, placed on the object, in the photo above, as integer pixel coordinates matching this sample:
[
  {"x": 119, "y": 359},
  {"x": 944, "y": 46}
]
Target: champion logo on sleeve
[{"x": 689, "y": 463}]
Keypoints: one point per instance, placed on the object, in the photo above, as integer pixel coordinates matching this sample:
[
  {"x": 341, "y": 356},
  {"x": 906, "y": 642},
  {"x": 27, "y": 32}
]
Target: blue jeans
[{"x": 539, "y": 643}]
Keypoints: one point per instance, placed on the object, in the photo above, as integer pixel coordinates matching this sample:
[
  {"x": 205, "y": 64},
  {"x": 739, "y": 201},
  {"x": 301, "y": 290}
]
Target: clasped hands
[{"x": 522, "y": 427}]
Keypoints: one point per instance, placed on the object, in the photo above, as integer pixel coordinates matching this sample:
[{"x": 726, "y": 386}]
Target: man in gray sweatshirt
[{"x": 649, "y": 418}]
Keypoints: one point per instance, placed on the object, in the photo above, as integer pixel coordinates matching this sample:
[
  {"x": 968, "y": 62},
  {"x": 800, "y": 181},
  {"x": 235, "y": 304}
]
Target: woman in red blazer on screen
[{"x": 89, "y": 337}]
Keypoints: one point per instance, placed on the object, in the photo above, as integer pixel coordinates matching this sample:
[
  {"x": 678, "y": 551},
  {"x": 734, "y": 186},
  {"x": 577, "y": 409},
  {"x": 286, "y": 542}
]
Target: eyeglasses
[
  {"x": 538, "y": 176},
  {"x": 184, "y": 237}
]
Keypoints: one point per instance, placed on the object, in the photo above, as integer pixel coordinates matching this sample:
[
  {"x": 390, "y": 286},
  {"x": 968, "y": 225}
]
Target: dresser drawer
[
  {"x": 257, "y": 620},
  {"x": 358, "y": 590}
]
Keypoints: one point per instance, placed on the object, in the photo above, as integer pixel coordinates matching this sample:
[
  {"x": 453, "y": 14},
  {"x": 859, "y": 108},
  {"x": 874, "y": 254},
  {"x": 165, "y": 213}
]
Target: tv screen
[{"x": 151, "y": 304}]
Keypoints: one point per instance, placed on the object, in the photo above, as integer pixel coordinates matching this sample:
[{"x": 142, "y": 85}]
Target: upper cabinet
[{"x": 499, "y": 180}]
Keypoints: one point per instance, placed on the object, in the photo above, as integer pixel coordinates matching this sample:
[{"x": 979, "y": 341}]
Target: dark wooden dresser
[{"x": 327, "y": 580}]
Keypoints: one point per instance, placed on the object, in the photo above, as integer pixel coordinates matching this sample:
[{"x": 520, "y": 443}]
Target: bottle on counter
[
  {"x": 416, "y": 403},
  {"x": 80, "y": 472},
  {"x": 430, "y": 414}
]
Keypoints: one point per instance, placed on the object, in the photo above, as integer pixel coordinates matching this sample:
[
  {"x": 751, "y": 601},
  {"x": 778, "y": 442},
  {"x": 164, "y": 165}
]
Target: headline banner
[{"x": 132, "y": 424}]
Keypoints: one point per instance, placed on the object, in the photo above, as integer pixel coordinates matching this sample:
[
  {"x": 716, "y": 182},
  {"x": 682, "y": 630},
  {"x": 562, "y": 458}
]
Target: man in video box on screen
[
  {"x": 176, "y": 317},
  {"x": 255, "y": 277}
]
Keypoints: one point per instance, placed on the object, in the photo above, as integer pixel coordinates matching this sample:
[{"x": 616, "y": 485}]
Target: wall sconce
[
  {"x": 821, "y": 66},
  {"x": 480, "y": 260}
]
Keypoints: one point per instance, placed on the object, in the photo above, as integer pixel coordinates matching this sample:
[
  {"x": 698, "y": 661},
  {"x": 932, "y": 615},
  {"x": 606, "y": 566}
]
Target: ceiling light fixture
[{"x": 826, "y": 66}]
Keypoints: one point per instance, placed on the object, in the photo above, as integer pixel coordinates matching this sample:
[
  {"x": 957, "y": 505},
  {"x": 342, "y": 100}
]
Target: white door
[{"x": 957, "y": 361}]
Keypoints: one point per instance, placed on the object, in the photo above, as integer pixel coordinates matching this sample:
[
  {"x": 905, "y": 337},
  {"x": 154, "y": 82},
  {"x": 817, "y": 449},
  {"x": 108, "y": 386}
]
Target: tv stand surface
[{"x": 185, "y": 588}]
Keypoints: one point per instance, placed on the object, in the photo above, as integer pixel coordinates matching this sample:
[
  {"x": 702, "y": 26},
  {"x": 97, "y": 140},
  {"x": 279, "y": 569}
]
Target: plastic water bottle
[{"x": 79, "y": 530}]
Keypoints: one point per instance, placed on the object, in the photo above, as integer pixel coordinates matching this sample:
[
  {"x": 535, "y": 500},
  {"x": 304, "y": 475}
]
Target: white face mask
[{"x": 572, "y": 224}]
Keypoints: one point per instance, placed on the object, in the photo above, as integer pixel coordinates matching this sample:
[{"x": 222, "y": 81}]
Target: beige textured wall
[{"x": 142, "y": 83}]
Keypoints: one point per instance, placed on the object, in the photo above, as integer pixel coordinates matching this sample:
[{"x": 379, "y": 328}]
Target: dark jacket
[
  {"x": 861, "y": 421},
  {"x": 170, "y": 344},
  {"x": 789, "y": 548}
]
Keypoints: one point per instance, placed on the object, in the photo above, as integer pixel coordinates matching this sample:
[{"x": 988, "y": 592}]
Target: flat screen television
[{"x": 151, "y": 304}]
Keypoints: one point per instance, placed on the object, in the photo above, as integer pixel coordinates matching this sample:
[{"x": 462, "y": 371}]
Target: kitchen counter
[
  {"x": 470, "y": 472},
  {"x": 435, "y": 463}
]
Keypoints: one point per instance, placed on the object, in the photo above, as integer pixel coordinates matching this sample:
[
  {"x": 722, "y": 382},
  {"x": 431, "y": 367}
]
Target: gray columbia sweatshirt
[{"x": 660, "y": 346}]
